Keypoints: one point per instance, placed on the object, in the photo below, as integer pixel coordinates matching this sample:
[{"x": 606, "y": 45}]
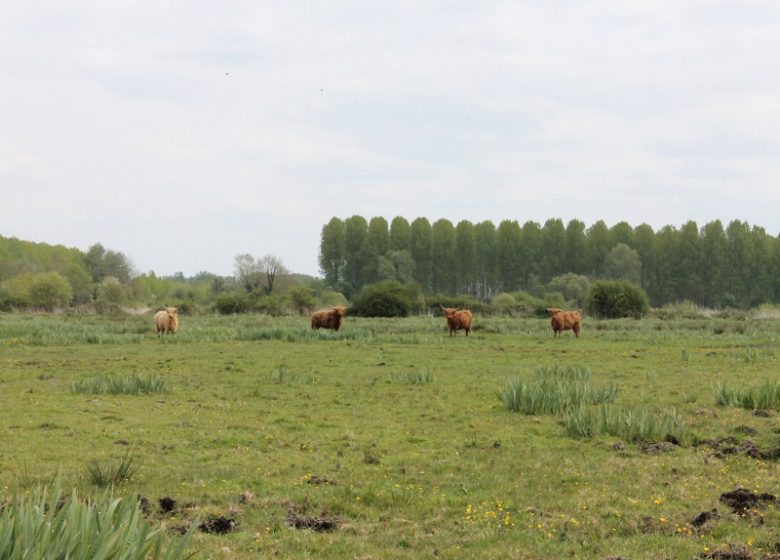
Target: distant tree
[
  {"x": 713, "y": 246},
  {"x": 465, "y": 257},
  {"x": 443, "y": 261},
  {"x": 572, "y": 286},
  {"x": 355, "y": 232},
  {"x": 111, "y": 291},
  {"x": 644, "y": 245},
  {"x": 49, "y": 291},
  {"x": 247, "y": 272},
  {"x": 102, "y": 263},
  {"x": 623, "y": 263},
  {"x": 271, "y": 268},
  {"x": 509, "y": 254},
  {"x": 621, "y": 232},
  {"x": 302, "y": 298},
  {"x": 217, "y": 285},
  {"x": 332, "y": 249},
  {"x": 80, "y": 281},
  {"x": 575, "y": 247},
  {"x": 375, "y": 244},
  {"x": 598, "y": 244},
  {"x": 420, "y": 237},
  {"x": 396, "y": 265},
  {"x": 530, "y": 255},
  {"x": 487, "y": 265},
  {"x": 400, "y": 234},
  {"x": 553, "y": 261}
]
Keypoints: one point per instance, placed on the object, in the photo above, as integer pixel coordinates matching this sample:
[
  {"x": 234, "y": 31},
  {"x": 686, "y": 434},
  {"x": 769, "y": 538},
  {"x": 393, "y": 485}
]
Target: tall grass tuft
[
  {"x": 411, "y": 377},
  {"x": 112, "y": 474},
  {"x": 555, "y": 391},
  {"x": 37, "y": 526},
  {"x": 761, "y": 397},
  {"x": 640, "y": 425},
  {"x": 134, "y": 384}
]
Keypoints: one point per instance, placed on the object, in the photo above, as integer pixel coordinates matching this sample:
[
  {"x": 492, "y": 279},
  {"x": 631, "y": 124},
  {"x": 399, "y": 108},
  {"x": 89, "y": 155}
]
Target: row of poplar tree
[{"x": 733, "y": 266}]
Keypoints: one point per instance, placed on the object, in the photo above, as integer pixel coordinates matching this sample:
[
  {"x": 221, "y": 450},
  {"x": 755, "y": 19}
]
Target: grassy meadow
[{"x": 392, "y": 440}]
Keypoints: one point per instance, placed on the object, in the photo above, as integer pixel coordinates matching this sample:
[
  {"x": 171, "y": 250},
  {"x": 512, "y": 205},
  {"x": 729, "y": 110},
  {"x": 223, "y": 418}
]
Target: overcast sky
[{"x": 183, "y": 133}]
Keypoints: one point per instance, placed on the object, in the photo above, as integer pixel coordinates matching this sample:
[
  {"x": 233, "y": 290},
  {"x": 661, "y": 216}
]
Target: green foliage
[
  {"x": 232, "y": 302},
  {"x": 574, "y": 287},
  {"x": 133, "y": 384},
  {"x": 762, "y": 397},
  {"x": 49, "y": 291},
  {"x": 56, "y": 527},
  {"x": 623, "y": 263},
  {"x": 302, "y": 298},
  {"x": 633, "y": 425},
  {"x": 385, "y": 299},
  {"x": 111, "y": 291},
  {"x": 611, "y": 299}
]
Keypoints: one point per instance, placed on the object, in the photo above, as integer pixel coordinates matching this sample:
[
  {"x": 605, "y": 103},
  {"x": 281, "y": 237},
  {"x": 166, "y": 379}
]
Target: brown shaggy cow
[
  {"x": 167, "y": 320},
  {"x": 564, "y": 320},
  {"x": 328, "y": 318},
  {"x": 457, "y": 319}
]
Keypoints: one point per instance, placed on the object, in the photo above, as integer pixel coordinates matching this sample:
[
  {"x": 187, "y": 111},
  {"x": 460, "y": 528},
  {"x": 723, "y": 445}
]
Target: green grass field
[{"x": 390, "y": 439}]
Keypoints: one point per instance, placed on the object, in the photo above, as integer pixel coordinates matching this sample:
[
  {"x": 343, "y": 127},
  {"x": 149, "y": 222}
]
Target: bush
[
  {"x": 530, "y": 305},
  {"x": 611, "y": 299},
  {"x": 386, "y": 299},
  {"x": 50, "y": 290},
  {"x": 230, "y": 303},
  {"x": 111, "y": 290},
  {"x": 302, "y": 298}
]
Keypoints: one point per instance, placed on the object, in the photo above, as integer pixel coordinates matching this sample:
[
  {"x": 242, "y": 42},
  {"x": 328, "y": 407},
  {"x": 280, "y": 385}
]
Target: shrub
[
  {"x": 230, "y": 303},
  {"x": 302, "y": 298},
  {"x": 529, "y": 304},
  {"x": 111, "y": 291},
  {"x": 50, "y": 290},
  {"x": 612, "y": 299},
  {"x": 37, "y": 526},
  {"x": 386, "y": 299},
  {"x": 505, "y": 304}
]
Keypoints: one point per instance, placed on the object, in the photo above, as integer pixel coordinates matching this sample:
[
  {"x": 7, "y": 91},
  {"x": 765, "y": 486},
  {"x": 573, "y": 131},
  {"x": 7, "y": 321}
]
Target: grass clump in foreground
[
  {"x": 112, "y": 474},
  {"x": 556, "y": 390},
  {"x": 761, "y": 397},
  {"x": 134, "y": 384},
  {"x": 640, "y": 425},
  {"x": 37, "y": 526}
]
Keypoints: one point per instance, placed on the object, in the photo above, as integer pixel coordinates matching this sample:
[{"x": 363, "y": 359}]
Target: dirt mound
[
  {"x": 731, "y": 553},
  {"x": 319, "y": 524},
  {"x": 167, "y": 504},
  {"x": 705, "y": 516},
  {"x": 740, "y": 500},
  {"x": 218, "y": 525}
]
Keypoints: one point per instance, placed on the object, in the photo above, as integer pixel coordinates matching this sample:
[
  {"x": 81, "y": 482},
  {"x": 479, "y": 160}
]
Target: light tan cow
[{"x": 167, "y": 320}]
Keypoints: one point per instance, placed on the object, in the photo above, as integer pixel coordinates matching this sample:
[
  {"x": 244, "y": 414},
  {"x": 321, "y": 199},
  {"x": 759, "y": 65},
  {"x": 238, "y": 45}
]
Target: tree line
[
  {"x": 40, "y": 276},
  {"x": 712, "y": 265}
]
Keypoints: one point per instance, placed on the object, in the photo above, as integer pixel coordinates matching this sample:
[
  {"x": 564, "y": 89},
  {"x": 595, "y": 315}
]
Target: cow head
[
  {"x": 449, "y": 311},
  {"x": 552, "y": 311},
  {"x": 340, "y": 310}
]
